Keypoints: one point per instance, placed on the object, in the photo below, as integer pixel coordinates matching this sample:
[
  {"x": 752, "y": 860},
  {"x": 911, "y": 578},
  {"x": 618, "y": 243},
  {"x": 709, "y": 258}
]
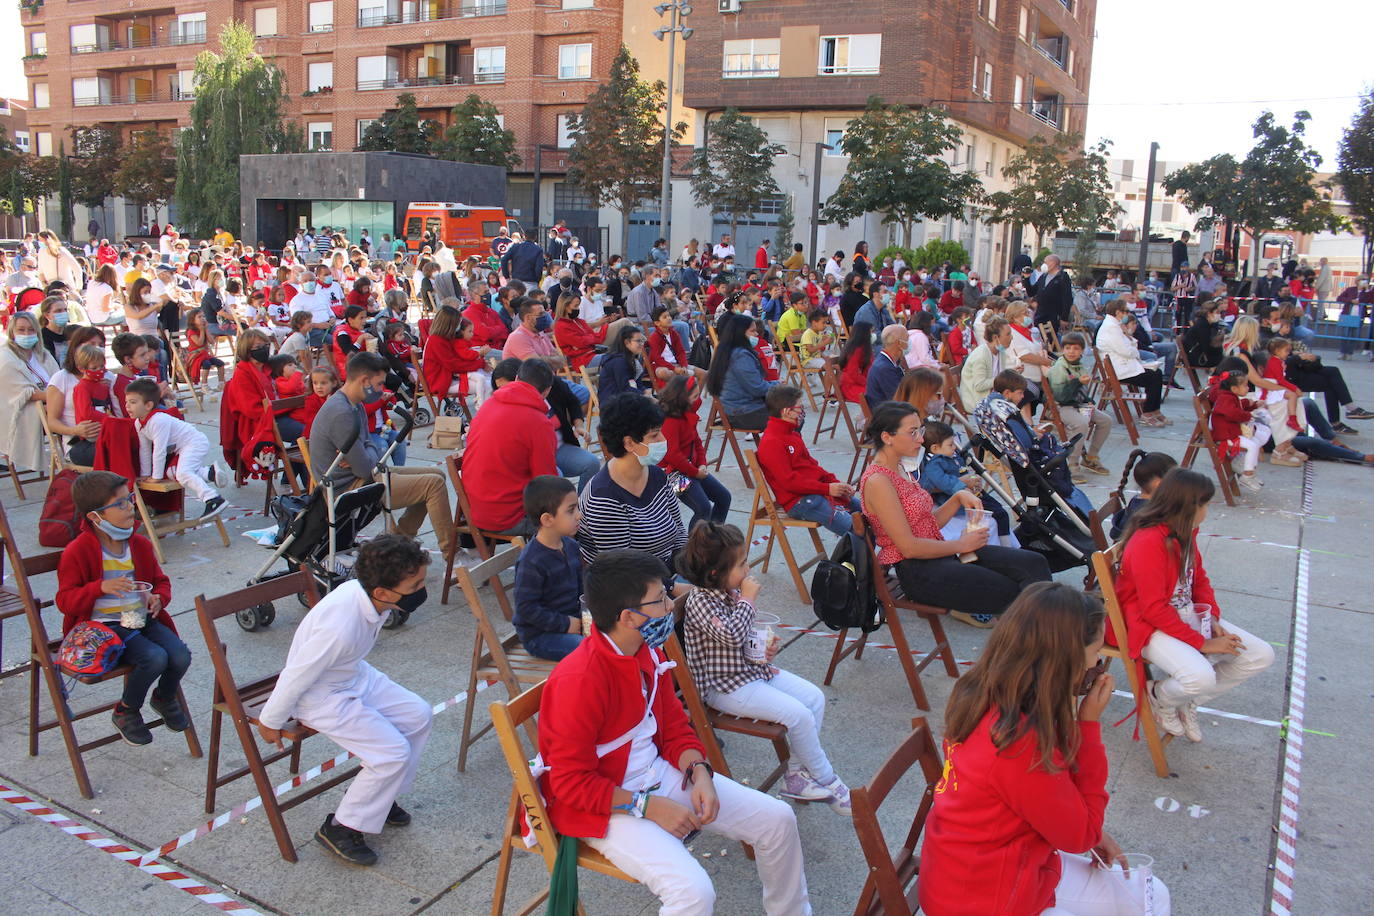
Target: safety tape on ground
[
  {"x": 807, "y": 631},
  {"x": 290, "y": 785},
  {"x": 179, "y": 880}
]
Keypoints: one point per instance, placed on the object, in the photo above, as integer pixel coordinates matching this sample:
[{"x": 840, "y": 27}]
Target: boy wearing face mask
[
  {"x": 328, "y": 684},
  {"x": 96, "y": 579}
]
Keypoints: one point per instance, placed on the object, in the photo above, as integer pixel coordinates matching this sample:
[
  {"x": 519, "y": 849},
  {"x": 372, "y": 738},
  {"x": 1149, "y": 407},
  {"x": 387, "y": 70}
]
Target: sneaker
[
  {"x": 1358, "y": 413},
  {"x": 981, "y": 621},
  {"x": 1090, "y": 463},
  {"x": 1285, "y": 461},
  {"x": 345, "y": 842},
  {"x": 213, "y": 507},
  {"x": 1250, "y": 482},
  {"x": 173, "y": 716},
  {"x": 1344, "y": 429},
  {"x": 1077, "y": 476},
  {"x": 1167, "y": 719},
  {"x": 1175, "y": 385},
  {"x": 1187, "y": 714},
  {"x": 800, "y": 786},
  {"x": 839, "y": 797},
  {"x": 397, "y": 816},
  {"x": 130, "y": 725}
]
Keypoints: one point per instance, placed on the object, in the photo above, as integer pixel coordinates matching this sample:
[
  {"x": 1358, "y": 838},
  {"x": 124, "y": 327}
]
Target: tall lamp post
[{"x": 677, "y": 11}]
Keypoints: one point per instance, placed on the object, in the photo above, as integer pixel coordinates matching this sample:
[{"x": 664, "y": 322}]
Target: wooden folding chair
[
  {"x": 160, "y": 527},
  {"x": 43, "y": 664},
  {"x": 19, "y": 478},
  {"x": 243, "y": 704},
  {"x": 494, "y": 657},
  {"x": 1049, "y": 336},
  {"x": 717, "y": 420},
  {"x": 57, "y": 458},
  {"x": 834, "y": 396},
  {"x": 527, "y": 806},
  {"x": 12, "y": 603},
  {"x": 797, "y": 372},
  {"x": 768, "y": 514},
  {"x": 1112, "y": 394},
  {"x": 1201, "y": 440},
  {"x": 593, "y": 408},
  {"x": 890, "y": 888},
  {"x": 893, "y": 603},
  {"x": 1188, "y": 368},
  {"x": 179, "y": 374},
  {"x": 1098, "y": 521},
  {"x": 1107, "y": 563},
  {"x": 462, "y": 524},
  {"x": 439, "y": 405},
  {"x": 863, "y": 452},
  {"x": 287, "y": 456},
  {"x": 1049, "y": 409},
  {"x": 303, "y": 443}
]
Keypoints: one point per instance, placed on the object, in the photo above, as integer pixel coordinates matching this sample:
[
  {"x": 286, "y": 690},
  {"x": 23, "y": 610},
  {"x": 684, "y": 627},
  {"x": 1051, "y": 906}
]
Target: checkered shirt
[{"x": 715, "y": 627}]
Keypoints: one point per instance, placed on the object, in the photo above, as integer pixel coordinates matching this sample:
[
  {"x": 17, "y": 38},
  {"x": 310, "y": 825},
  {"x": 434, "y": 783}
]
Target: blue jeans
[
  {"x": 1166, "y": 350},
  {"x": 576, "y": 461},
  {"x": 317, "y": 336},
  {"x": 684, "y": 331},
  {"x": 157, "y": 654},
  {"x": 708, "y": 498},
  {"x": 817, "y": 508},
  {"x": 552, "y": 646},
  {"x": 1303, "y": 335},
  {"x": 398, "y": 457}
]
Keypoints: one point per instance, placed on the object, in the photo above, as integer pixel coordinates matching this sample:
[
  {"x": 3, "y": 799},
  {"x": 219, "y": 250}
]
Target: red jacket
[
  {"x": 244, "y": 424},
  {"x": 949, "y": 302},
  {"x": 958, "y": 347},
  {"x": 658, "y": 342},
  {"x": 1228, "y": 413},
  {"x": 1000, "y": 820},
  {"x": 577, "y": 340},
  {"x": 305, "y": 415},
  {"x": 443, "y": 360},
  {"x": 593, "y": 697},
  {"x": 487, "y": 326},
  {"x": 511, "y": 441},
  {"x": 1274, "y": 371},
  {"x": 761, "y": 258},
  {"x": 80, "y": 575},
  {"x": 1150, "y": 569},
  {"x": 854, "y": 379},
  {"x": 686, "y": 454},
  {"x": 907, "y": 301},
  {"x": 788, "y": 466}
]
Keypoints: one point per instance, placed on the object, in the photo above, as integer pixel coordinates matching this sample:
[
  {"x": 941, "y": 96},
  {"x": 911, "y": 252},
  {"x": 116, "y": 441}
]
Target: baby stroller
[
  {"x": 319, "y": 532},
  {"x": 1052, "y": 513}
]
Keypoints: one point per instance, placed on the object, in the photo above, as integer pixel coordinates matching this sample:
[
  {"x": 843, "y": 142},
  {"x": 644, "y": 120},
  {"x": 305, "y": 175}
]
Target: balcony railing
[
  {"x": 192, "y": 36},
  {"x": 1047, "y": 112},
  {"x": 377, "y": 16},
  {"x": 1055, "y": 52},
  {"x": 419, "y": 82},
  {"x": 132, "y": 98}
]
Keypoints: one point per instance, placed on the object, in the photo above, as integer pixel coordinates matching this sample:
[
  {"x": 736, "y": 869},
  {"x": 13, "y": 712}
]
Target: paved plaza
[{"x": 1297, "y": 550}]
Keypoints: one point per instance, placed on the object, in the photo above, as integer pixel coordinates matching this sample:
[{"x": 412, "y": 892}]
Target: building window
[
  {"x": 1167, "y": 213},
  {"x": 320, "y": 76},
  {"x": 321, "y": 135},
  {"x": 988, "y": 10},
  {"x": 834, "y": 136},
  {"x": 43, "y": 143},
  {"x": 489, "y": 64},
  {"x": 568, "y": 196},
  {"x": 973, "y": 83},
  {"x": 184, "y": 88},
  {"x": 265, "y": 21},
  {"x": 362, "y": 128},
  {"x": 322, "y": 16},
  {"x": 992, "y": 154},
  {"x": 38, "y": 42},
  {"x": 21, "y": 140},
  {"x": 850, "y": 54},
  {"x": 189, "y": 29},
  {"x": 751, "y": 57},
  {"x": 378, "y": 72},
  {"x": 970, "y": 154},
  {"x": 987, "y": 81},
  {"x": 565, "y": 137},
  {"x": 577, "y": 4},
  {"x": 1017, "y": 90},
  {"x": 1023, "y": 25},
  {"x": 575, "y": 62},
  {"x": 89, "y": 37},
  {"x": 40, "y": 95}
]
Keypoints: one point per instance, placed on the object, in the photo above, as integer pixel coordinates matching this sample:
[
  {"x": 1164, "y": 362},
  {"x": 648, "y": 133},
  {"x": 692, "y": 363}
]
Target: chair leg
[
  {"x": 1145, "y": 719},
  {"x": 739, "y": 458},
  {"x": 913, "y": 674},
  {"x": 63, "y": 712},
  {"x": 937, "y": 630},
  {"x": 192, "y": 738},
  {"x": 449, "y": 560},
  {"x": 842, "y": 652},
  {"x": 468, "y": 708},
  {"x": 792, "y": 564},
  {"x": 212, "y": 763},
  {"x": 498, "y": 894},
  {"x": 151, "y": 531},
  {"x": 223, "y": 533}
]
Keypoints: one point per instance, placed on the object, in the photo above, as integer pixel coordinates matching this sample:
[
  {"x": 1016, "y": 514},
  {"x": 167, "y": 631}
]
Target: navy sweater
[{"x": 548, "y": 588}]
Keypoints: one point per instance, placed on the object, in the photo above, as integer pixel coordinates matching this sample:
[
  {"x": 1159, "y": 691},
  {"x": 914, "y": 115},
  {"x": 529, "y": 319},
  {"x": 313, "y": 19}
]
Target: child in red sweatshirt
[
  {"x": 1234, "y": 427},
  {"x": 1279, "y": 349},
  {"x": 91, "y": 396},
  {"x": 97, "y": 579},
  {"x": 324, "y": 381}
]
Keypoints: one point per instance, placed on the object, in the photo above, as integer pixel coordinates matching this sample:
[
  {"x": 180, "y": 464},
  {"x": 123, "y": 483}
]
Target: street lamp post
[{"x": 677, "y": 10}]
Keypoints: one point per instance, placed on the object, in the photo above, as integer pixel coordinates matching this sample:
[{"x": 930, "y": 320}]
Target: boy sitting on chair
[
  {"x": 328, "y": 685},
  {"x": 625, "y": 769},
  {"x": 160, "y": 435}
]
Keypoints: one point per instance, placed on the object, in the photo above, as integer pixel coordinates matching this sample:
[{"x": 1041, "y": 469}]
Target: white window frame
[
  {"x": 38, "y": 42},
  {"x": 1023, "y": 24},
  {"x": 186, "y": 85},
  {"x": 579, "y": 4},
  {"x": 42, "y": 143},
  {"x": 314, "y": 128},
  {"x": 258, "y": 25},
  {"x": 990, "y": 14},
  {"x": 493, "y": 70},
  {"x": 973, "y": 83},
  {"x": 848, "y": 48},
  {"x": 319, "y": 75},
  {"x": 320, "y": 16},
  {"x": 564, "y": 136},
  {"x": 377, "y": 68},
  {"x": 362, "y": 128},
  {"x": 762, "y": 55},
  {"x": 1018, "y": 92},
  {"x": 21, "y": 140},
  {"x": 570, "y": 63},
  {"x": 42, "y": 95},
  {"x": 193, "y": 24},
  {"x": 987, "y": 80},
  {"x": 835, "y": 126}
]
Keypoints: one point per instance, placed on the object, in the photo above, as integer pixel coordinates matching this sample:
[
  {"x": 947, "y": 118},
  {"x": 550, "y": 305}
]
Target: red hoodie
[
  {"x": 443, "y": 360},
  {"x": 1275, "y": 372},
  {"x": 854, "y": 379},
  {"x": 658, "y": 342},
  {"x": 1000, "y": 820},
  {"x": 1150, "y": 569},
  {"x": 1228, "y": 413},
  {"x": 686, "y": 454},
  {"x": 80, "y": 576},
  {"x": 487, "y": 326},
  {"x": 788, "y": 466},
  {"x": 511, "y": 441}
]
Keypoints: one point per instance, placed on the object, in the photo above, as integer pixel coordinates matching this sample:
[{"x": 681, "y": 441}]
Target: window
[
  {"x": 992, "y": 155},
  {"x": 970, "y": 154},
  {"x": 988, "y": 10},
  {"x": 1168, "y": 213},
  {"x": 40, "y": 95},
  {"x": 751, "y": 57},
  {"x": 850, "y": 54},
  {"x": 577, "y": 4},
  {"x": 21, "y": 140},
  {"x": 89, "y": 37},
  {"x": 378, "y": 72},
  {"x": 1017, "y": 90},
  {"x": 1023, "y": 25},
  {"x": 185, "y": 86},
  {"x": 568, "y": 196},
  {"x": 574, "y": 62},
  {"x": 362, "y": 127},
  {"x": 265, "y": 21},
  {"x": 322, "y": 16},
  {"x": 565, "y": 137},
  {"x": 43, "y": 143},
  {"x": 987, "y": 81},
  {"x": 38, "y": 42},
  {"x": 974, "y": 83},
  {"x": 321, "y": 135},
  {"x": 320, "y": 76},
  {"x": 189, "y": 29},
  {"x": 489, "y": 64},
  {"x": 500, "y": 120}
]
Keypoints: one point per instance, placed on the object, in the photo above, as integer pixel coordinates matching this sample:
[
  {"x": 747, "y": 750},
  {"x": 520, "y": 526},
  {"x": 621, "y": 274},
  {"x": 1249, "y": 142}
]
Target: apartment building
[
  {"x": 345, "y": 63},
  {"x": 1006, "y": 70}
]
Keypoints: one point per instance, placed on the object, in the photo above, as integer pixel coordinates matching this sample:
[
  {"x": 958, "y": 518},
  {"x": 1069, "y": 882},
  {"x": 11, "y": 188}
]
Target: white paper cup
[{"x": 760, "y": 637}]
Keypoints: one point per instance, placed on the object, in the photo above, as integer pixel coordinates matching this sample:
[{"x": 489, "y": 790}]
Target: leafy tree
[
  {"x": 1355, "y": 173},
  {"x": 782, "y": 236},
  {"x": 1273, "y": 187},
  {"x": 96, "y": 153},
  {"x": 400, "y": 129},
  {"x": 148, "y": 173},
  {"x": 476, "y": 136},
  {"x": 1057, "y": 182},
  {"x": 937, "y": 251},
  {"x": 64, "y": 191},
  {"x": 617, "y": 151},
  {"x": 733, "y": 172},
  {"x": 897, "y": 168},
  {"x": 238, "y": 111}
]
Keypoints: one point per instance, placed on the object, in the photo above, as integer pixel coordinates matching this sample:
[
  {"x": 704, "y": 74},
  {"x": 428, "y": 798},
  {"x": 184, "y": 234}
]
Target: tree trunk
[
  {"x": 625, "y": 234},
  {"x": 906, "y": 232}
]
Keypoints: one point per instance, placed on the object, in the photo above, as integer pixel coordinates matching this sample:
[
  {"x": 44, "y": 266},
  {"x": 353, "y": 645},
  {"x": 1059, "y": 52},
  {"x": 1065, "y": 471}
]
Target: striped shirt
[
  {"x": 615, "y": 519},
  {"x": 108, "y": 607}
]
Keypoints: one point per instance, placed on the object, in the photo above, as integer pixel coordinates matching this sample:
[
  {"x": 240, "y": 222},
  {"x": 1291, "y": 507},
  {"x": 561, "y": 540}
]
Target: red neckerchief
[
  {"x": 144, "y": 422},
  {"x": 1022, "y": 330}
]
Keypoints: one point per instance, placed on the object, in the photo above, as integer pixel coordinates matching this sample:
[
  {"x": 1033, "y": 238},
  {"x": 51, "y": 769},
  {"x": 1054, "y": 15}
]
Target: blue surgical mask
[
  {"x": 657, "y": 281},
  {"x": 26, "y": 341},
  {"x": 657, "y": 452},
  {"x": 372, "y": 395},
  {"x": 60, "y": 319},
  {"x": 113, "y": 530},
  {"x": 308, "y": 287},
  {"x": 656, "y": 630}
]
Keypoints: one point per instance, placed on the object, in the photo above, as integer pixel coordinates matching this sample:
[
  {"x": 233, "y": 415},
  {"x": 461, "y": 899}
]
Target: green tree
[
  {"x": 617, "y": 151},
  {"x": 897, "y": 168},
  {"x": 937, "y": 251},
  {"x": 96, "y": 153},
  {"x": 782, "y": 236},
  {"x": 474, "y": 135},
  {"x": 733, "y": 172},
  {"x": 1273, "y": 187},
  {"x": 147, "y": 174},
  {"x": 1057, "y": 182},
  {"x": 238, "y": 111},
  {"x": 64, "y": 191},
  {"x": 1355, "y": 173},
  {"x": 400, "y": 129}
]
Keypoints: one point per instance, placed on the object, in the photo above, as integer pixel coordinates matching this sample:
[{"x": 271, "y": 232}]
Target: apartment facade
[{"x": 345, "y": 62}]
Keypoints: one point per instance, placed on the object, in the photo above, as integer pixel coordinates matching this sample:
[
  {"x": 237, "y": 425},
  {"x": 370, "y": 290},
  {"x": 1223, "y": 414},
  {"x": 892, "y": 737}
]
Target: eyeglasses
[
  {"x": 661, "y": 599},
  {"x": 124, "y": 502}
]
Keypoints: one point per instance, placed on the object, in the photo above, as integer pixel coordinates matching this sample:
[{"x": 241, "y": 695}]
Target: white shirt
[
  {"x": 1019, "y": 347},
  {"x": 327, "y": 656},
  {"x": 294, "y": 344},
  {"x": 592, "y": 310},
  {"x": 834, "y": 268},
  {"x": 643, "y": 750},
  {"x": 445, "y": 258},
  {"x": 99, "y": 296},
  {"x": 316, "y": 303},
  {"x": 148, "y": 323},
  {"x": 164, "y": 244},
  {"x": 724, "y": 251},
  {"x": 160, "y": 434}
]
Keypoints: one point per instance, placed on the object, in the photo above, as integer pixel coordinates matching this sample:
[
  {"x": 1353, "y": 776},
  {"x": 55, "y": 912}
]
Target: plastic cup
[
  {"x": 1203, "y": 615},
  {"x": 136, "y": 616},
  {"x": 761, "y": 637},
  {"x": 1134, "y": 889},
  {"x": 975, "y": 519},
  {"x": 586, "y": 616}
]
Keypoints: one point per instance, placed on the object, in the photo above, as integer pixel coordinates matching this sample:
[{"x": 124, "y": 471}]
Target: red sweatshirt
[
  {"x": 1000, "y": 820},
  {"x": 91, "y": 400},
  {"x": 959, "y": 347},
  {"x": 686, "y": 454},
  {"x": 306, "y": 415},
  {"x": 443, "y": 359},
  {"x": 80, "y": 575},
  {"x": 593, "y": 697},
  {"x": 949, "y": 302},
  {"x": 1228, "y": 413},
  {"x": 1150, "y": 569},
  {"x": 1274, "y": 371},
  {"x": 788, "y": 466},
  {"x": 854, "y": 379},
  {"x": 487, "y": 326},
  {"x": 511, "y": 441},
  {"x": 658, "y": 342},
  {"x": 577, "y": 340}
]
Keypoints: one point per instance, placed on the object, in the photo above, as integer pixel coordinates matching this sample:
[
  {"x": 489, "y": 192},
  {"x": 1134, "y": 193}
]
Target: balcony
[
  {"x": 411, "y": 12},
  {"x": 133, "y": 97},
  {"x": 1049, "y": 110},
  {"x": 1054, "y": 49}
]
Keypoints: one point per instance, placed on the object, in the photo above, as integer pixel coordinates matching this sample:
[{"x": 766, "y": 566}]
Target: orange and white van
[{"x": 468, "y": 230}]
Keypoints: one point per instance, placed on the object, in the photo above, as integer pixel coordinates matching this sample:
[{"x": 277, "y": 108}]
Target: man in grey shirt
[
  {"x": 420, "y": 491},
  {"x": 639, "y": 304}
]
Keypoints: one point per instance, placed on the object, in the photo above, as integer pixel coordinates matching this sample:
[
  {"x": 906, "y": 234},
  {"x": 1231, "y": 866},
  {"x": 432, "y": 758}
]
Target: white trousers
[
  {"x": 386, "y": 727},
  {"x": 1085, "y": 890},
  {"x": 190, "y": 470},
  {"x": 788, "y": 700},
  {"x": 1197, "y": 678},
  {"x": 663, "y": 864},
  {"x": 1251, "y": 446}
]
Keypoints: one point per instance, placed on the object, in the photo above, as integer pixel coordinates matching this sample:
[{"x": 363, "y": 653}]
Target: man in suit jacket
[
  {"x": 889, "y": 365},
  {"x": 523, "y": 261},
  {"x": 1053, "y": 294}
]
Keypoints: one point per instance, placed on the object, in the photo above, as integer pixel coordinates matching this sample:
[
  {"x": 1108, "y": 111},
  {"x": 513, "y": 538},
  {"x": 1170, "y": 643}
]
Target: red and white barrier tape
[
  {"x": 807, "y": 631},
  {"x": 202, "y": 892}
]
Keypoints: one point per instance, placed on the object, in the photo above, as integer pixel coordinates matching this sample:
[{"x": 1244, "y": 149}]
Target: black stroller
[{"x": 319, "y": 532}]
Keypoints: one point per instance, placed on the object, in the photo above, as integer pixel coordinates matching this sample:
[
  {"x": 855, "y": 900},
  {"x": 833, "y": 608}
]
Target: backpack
[
  {"x": 58, "y": 523},
  {"x": 700, "y": 354},
  {"x": 90, "y": 650},
  {"x": 842, "y": 591}
]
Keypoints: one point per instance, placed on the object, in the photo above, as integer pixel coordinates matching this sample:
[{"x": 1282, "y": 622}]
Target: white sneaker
[
  {"x": 1168, "y": 719},
  {"x": 839, "y": 797},
  {"x": 1187, "y": 713},
  {"x": 802, "y": 786},
  {"x": 1251, "y": 482}
]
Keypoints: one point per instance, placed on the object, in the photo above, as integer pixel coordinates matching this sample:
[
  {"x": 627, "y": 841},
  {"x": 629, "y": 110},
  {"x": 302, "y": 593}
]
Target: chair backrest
[
  {"x": 420, "y": 381},
  {"x": 303, "y": 443},
  {"x": 488, "y": 572},
  {"x": 1049, "y": 409},
  {"x": 508, "y": 718},
  {"x": 21, "y": 569},
  {"x": 276, "y": 408},
  {"x": 892, "y": 878},
  {"x": 1106, "y": 565},
  {"x": 696, "y": 708},
  {"x": 763, "y": 492},
  {"x": 1099, "y": 518},
  {"x": 454, "y": 460}
]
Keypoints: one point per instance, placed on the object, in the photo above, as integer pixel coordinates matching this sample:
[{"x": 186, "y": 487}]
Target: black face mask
[
  {"x": 260, "y": 354},
  {"x": 565, "y": 282},
  {"x": 409, "y": 603},
  {"x": 372, "y": 395}
]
